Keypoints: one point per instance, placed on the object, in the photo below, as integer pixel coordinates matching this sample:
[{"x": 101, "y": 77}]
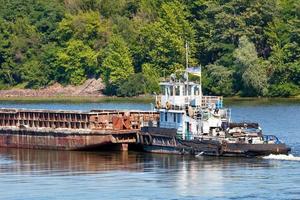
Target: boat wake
[
  {"x": 282, "y": 157},
  {"x": 200, "y": 154}
]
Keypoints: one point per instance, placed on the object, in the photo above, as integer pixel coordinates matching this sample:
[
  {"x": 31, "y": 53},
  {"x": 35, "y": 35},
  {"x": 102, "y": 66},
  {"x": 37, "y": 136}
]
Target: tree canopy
[{"x": 247, "y": 48}]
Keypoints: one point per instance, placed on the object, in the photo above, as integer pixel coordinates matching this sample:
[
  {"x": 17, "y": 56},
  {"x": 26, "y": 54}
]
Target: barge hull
[{"x": 61, "y": 141}]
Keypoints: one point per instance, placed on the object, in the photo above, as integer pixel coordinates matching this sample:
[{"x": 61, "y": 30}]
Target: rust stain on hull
[{"x": 73, "y": 142}]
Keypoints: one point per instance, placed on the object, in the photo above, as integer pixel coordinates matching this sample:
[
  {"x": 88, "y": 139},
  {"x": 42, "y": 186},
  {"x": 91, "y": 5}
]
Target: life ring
[
  {"x": 191, "y": 112},
  {"x": 168, "y": 105},
  {"x": 158, "y": 104}
]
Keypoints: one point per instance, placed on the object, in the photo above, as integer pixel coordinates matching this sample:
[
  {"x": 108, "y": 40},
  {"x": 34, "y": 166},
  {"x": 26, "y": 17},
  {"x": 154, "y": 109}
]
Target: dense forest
[{"x": 245, "y": 47}]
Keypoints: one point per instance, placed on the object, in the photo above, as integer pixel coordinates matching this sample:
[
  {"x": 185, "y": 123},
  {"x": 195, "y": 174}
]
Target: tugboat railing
[
  {"x": 196, "y": 101},
  {"x": 271, "y": 138},
  {"x": 209, "y": 101}
]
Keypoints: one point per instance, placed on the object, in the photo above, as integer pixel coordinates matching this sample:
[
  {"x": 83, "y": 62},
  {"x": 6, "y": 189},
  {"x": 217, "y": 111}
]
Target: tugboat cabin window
[
  {"x": 174, "y": 117},
  {"x": 162, "y": 90},
  {"x": 177, "y": 90},
  {"x": 190, "y": 90},
  {"x": 167, "y": 89},
  {"x": 172, "y": 90},
  {"x": 179, "y": 118},
  {"x": 196, "y": 91},
  {"x": 166, "y": 117},
  {"x": 161, "y": 117}
]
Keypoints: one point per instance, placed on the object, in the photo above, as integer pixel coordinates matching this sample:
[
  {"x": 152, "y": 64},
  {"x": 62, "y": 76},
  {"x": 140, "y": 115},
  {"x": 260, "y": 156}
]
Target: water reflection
[
  {"x": 40, "y": 174},
  {"x": 32, "y": 161},
  {"x": 65, "y": 162},
  {"x": 200, "y": 176},
  {"x": 132, "y": 175}
]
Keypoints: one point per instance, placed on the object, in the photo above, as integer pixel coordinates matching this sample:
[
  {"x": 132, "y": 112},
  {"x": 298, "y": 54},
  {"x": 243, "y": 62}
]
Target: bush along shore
[{"x": 244, "y": 48}]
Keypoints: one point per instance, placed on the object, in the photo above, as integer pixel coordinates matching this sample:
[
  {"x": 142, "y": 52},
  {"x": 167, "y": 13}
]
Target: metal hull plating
[
  {"x": 61, "y": 141},
  {"x": 254, "y": 149},
  {"x": 210, "y": 147}
]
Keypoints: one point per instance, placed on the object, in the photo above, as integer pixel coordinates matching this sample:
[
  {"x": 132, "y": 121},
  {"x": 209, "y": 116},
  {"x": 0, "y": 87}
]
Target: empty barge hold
[{"x": 71, "y": 130}]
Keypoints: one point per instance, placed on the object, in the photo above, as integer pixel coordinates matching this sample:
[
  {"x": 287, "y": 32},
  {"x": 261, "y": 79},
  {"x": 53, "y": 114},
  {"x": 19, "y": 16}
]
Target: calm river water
[{"x": 39, "y": 174}]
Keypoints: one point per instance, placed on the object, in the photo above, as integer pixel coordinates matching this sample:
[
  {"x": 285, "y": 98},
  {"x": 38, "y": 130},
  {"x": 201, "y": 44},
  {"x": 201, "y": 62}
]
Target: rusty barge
[{"x": 71, "y": 130}]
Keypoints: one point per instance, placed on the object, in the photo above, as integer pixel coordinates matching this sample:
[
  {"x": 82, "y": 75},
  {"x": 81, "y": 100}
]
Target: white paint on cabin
[
  {"x": 179, "y": 94},
  {"x": 171, "y": 119},
  {"x": 182, "y": 97}
]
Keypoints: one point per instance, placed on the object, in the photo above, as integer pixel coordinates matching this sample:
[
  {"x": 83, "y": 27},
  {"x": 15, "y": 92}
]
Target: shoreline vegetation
[{"x": 244, "y": 48}]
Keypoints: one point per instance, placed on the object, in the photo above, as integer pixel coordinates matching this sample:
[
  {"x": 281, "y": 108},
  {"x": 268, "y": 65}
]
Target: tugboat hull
[
  {"x": 168, "y": 144},
  {"x": 236, "y": 149},
  {"x": 171, "y": 145}
]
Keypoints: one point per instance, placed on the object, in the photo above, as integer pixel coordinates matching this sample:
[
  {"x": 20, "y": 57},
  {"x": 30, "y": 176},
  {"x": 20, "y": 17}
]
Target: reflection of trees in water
[{"x": 190, "y": 176}]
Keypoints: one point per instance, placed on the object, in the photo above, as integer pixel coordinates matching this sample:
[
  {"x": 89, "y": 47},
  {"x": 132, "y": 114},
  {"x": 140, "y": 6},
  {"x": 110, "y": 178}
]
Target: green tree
[
  {"x": 117, "y": 64},
  {"x": 77, "y": 6},
  {"x": 79, "y": 62},
  {"x": 88, "y": 27},
  {"x": 151, "y": 78},
  {"x": 252, "y": 70},
  {"x": 20, "y": 45},
  {"x": 44, "y": 15},
  {"x": 5, "y": 70},
  {"x": 283, "y": 38},
  {"x": 218, "y": 80},
  {"x": 164, "y": 40},
  {"x": 134, "y": 85},
  {"x": 34, "y": 75},
  {"x": 42, "y": 42}
]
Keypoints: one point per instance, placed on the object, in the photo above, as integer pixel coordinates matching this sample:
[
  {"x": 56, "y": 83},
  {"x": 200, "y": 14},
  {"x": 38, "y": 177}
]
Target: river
[{"x": 40, "y": 174}]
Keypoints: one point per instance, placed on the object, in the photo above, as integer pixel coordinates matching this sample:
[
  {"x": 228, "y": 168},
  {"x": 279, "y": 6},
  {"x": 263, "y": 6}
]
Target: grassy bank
[
  {"x": 244, "y": 101},
  {"x": 80, "y": 99},
  {"x": 141, "y": 99}
]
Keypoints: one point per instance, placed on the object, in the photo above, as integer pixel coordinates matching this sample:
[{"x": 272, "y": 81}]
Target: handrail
[{"x": 268, "y": 138}]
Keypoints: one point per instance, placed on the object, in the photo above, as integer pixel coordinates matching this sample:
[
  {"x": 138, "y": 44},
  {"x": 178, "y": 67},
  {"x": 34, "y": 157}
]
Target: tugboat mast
[
  {"x": 186, "y": 66},
  {"x": 187, "y": 55}
]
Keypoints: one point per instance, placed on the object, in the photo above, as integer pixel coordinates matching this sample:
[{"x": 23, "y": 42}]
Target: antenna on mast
[{"x": 187, "y": 66}]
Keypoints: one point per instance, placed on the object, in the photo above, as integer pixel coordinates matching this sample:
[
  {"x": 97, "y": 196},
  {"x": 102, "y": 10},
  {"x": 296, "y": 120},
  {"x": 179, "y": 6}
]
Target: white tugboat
[{"x": 192, "y": 123}]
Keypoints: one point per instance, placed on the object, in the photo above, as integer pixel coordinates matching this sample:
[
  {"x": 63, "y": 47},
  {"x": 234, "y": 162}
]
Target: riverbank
[
  {"x": 91, "y": 91},
  {"x": 91, "y": 87},
  {"x": 139, "y": 99},
  {"x": 79, "y": 99}
]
